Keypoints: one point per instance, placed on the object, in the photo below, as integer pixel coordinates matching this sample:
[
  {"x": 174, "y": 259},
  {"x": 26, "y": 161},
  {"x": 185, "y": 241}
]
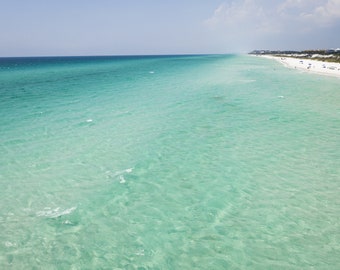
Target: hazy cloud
[
  {"x": 320, "y": 13},
  {"x": 85, "y": 27},
  {"x": 271, "y": 22},
  {"x": 324, "y": 14},
  {"x": 251, "y": 15},
  {"x": 242, "y": 17}
]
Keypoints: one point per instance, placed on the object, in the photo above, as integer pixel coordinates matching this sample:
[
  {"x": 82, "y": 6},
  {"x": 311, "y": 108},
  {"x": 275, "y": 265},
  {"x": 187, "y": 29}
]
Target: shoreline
[{"x": 308, "y": 65}]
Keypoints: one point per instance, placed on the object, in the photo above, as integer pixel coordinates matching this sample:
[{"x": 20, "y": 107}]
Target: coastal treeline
[{"x": 327, "y": 55}]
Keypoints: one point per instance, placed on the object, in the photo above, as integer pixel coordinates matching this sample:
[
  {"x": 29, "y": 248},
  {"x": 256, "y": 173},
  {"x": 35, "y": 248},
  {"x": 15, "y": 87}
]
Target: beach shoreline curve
[{"x": 308, "y": 65}]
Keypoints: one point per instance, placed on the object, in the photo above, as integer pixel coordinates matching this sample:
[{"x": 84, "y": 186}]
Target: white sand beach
[{"x": 309, "y": 65}]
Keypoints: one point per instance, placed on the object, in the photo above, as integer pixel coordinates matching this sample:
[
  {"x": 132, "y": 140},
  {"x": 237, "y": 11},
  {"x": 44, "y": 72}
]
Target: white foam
[
  {"x": 129, "y": 170},
  {"x": 122, "y": 179},
  {"x": 67, "y": 222},
  {"x": 120, "y": 175},
  {"x": 140, "y": 252},
  {"x": 9, "y": 244},
  {"x": 54, "y": 213},
  {"x": 89, "y": 120},
  {"x": 151, "y": 72},
  {"x": 248, "y": 81}
]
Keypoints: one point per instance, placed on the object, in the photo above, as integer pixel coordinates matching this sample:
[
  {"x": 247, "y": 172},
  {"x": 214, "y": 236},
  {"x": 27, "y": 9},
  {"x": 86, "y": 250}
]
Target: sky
[{"x": 139, "y": 27}]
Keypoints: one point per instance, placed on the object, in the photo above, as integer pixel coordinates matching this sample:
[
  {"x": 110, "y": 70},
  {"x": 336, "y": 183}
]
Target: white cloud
[
  {"x": 290, "y": 4},
  {"x": 325, "y": 14},
  {"x": 241, "y": 17},
  {"x": 312, "y": 12},
  {"x": 283, "y": 24},
  {"x": 265, "y": 18},
  {"x": 250, "y": 16}
]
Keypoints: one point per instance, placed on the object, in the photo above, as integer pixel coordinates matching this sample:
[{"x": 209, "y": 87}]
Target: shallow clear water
[{"x": 179, "y": 162}]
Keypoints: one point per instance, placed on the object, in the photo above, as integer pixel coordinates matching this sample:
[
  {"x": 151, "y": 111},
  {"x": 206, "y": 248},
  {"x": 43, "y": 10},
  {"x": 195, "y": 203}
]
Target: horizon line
[{"x": 119, "y": 55}]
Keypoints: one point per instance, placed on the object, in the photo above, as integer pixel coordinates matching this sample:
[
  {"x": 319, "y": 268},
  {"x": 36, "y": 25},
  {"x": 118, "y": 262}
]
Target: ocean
[{"x": 168, "y": 162}]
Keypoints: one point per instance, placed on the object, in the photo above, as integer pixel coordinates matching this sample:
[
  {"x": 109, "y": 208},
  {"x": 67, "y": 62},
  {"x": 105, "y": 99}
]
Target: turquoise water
[{"x": 177, "y": 162}]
